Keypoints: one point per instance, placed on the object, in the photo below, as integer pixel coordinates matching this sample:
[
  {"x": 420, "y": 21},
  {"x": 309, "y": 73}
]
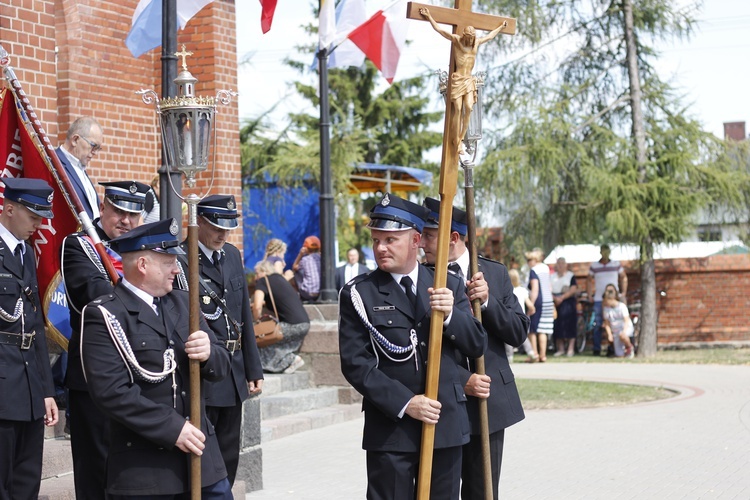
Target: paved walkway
[{"x": 693, "y": 446}]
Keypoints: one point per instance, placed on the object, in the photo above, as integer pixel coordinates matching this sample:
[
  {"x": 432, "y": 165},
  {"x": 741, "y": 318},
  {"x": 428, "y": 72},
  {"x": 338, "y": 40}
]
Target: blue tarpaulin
[
  {"x": 271, "y": 211},
  {"x": 293, "y": 213}
]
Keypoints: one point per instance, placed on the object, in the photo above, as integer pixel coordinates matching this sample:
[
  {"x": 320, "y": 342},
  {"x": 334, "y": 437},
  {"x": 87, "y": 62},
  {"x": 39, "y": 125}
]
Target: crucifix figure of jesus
[{"x": 463, "y": 85}]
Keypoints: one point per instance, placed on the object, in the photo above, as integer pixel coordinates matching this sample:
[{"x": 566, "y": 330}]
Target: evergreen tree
[{"x": 590, "y": 142}]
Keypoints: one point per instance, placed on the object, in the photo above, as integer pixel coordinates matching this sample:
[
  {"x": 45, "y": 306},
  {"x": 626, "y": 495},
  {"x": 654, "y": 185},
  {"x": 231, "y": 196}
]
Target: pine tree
[{"x": 590, "y": 143}]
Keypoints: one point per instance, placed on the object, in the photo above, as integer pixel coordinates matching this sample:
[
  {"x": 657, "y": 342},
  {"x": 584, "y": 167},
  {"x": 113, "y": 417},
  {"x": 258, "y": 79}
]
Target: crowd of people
[
  {"x": 128, "y": 393},
  {"x": 605, "y": 291}
]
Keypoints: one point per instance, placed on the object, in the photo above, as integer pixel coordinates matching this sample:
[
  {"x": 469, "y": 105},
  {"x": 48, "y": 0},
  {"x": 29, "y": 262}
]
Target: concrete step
[
  {"x": 275, "y": 383},
  {"x": 275, "y": 428},
  {"x": 291, "y": 402}
]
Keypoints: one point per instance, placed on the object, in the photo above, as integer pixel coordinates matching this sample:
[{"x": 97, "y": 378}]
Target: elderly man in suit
[
  {"x": 136, "y": 347},
  {"x": 350, "y": 270},
  {"x": 85, "y": 279},
  {"x": 27, "y": 401},
  {"x": 225, "y": 304},
  {"x": 505, "y": 323},
  {"x": 82, "y": 143},
  {"x": 384, "y": 340}
]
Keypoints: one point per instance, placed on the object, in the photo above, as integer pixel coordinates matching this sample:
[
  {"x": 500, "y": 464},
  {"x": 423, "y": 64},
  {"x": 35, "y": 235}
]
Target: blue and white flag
[
  {"x": 145, "y": 33},
  {"x": 349, "y": 15}
]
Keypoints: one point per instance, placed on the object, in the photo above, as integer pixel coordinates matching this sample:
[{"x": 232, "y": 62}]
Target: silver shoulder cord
[
  {"x": 122, "y": 344},
  {"x": 93, "y": 256},
  {"x": 17, "y": 314},
  {"x": 378, "y": 341},
  {"x": 182, "y": 282}
]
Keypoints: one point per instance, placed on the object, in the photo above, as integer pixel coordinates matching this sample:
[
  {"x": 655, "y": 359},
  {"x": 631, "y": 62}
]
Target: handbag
[{"x": 267, "y": 328}]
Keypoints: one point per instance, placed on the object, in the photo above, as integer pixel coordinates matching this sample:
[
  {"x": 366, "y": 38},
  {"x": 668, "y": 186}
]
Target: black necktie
[
  {"x": 407, "y": 283},
  {"x": 217, "y": 260},
  {"x": 156, "y": 306},
  {"x": 18, "y": 255}
]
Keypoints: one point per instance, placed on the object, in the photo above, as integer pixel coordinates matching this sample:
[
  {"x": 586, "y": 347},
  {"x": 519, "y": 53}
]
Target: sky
[{"x": 710, "y": 70}]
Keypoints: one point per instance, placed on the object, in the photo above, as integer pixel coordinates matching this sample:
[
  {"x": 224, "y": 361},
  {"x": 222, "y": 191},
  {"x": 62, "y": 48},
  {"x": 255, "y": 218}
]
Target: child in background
[
  {"x": 522, "y": 294},
  {"x": 616, "y": 323}
]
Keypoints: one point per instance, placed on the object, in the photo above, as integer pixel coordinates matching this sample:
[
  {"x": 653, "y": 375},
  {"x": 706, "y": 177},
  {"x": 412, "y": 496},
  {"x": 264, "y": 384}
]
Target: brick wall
[
  {"x": 706, "y": 299},
  {"x": 93, "y": 73}
]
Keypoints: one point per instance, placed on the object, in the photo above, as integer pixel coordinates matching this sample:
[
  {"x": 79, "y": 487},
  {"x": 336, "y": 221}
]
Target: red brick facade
[
  {"x": 93, "y": 73},
  {"x": 706, "y": 299}
]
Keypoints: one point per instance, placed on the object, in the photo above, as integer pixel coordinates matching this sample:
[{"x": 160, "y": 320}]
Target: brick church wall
[
  {"x": 705, "y": 299},
  {"x": 71, "y": 59}
]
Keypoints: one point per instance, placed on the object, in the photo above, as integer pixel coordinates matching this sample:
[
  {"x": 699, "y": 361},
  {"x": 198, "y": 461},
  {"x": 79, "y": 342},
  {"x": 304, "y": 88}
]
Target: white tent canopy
[{"x": 685, "y": 250}]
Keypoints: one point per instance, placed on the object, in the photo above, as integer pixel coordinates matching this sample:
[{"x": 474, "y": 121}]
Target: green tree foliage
[
  {"x": 563, "y": 162},
  {"x": 391, "y": 127}
]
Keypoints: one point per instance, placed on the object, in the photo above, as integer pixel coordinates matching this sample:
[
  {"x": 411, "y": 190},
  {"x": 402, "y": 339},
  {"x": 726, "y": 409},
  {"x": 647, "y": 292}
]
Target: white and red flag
[{"x": 383, "y": 38}]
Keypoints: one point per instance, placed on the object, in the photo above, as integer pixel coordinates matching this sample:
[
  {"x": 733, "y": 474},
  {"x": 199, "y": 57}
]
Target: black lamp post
[
  {"x": 170, "y": 180},
  {"x": 327, "y": 218}
]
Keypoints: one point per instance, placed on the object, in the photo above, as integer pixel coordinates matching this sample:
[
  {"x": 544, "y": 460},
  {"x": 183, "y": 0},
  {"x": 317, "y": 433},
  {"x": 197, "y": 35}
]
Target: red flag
[
  {"x": 266, "y": 17},
  {"x": 382, "y": 38},
  {"x": 22, "y": 158}
]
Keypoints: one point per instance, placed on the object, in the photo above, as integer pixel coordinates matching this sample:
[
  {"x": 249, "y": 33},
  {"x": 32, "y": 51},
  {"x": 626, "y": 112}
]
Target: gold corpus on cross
[
  {"x": 461, "y": 18},
  {"x": 183, "y": 54}
]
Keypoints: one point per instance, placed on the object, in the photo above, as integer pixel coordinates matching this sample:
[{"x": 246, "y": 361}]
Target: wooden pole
[
  {"x": 195, "y": 325},
  {"x": 460, "y": 17},
  {"x": 476, "y": 305}
]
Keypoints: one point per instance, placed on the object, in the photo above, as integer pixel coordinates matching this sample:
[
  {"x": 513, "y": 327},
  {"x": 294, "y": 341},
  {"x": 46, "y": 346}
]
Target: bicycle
[{"x": 586, "y": 323}]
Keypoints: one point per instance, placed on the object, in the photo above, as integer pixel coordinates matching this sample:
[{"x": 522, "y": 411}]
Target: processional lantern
[{"x": 186, "y": 122}]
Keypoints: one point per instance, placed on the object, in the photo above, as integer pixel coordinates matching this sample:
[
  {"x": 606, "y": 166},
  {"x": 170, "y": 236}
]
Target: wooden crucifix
[{"x": 460, "y": 98}]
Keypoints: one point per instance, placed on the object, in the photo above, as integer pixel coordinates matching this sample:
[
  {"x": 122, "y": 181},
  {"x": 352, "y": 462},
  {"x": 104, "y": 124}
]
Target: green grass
[
  {"x": 706, "y": 356},
  {"x": 543, "y": 394}
]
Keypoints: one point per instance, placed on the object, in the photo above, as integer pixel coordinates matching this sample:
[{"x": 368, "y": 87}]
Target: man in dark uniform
[
  {"x": 225, "y": 303},
  {"x": 384, "y": 329},
  {"x": 26, "y": 390},
  {"x": 135, "y": 349},
  {"x": 505, "y": 323},
  {"x": 86, "y": 279}
]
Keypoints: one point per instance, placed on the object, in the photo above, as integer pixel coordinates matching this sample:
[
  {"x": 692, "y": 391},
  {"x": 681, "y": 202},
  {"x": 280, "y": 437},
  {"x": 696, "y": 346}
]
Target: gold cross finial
[{"x": 183, "y": 54}]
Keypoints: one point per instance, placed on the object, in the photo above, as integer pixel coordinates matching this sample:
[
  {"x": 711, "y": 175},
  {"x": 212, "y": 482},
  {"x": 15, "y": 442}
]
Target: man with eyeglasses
[{"x": 82, "y": 143}]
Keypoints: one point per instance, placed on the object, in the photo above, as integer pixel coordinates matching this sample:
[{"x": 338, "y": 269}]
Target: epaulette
[
  {"x": 357, "y": 279},
  {"x": 104, "y": 299},
  {"x": 491, "y": 260}
]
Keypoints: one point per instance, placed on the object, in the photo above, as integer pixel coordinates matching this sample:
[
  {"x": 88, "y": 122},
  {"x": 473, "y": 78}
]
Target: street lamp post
[{"x": 186, "y": 123}]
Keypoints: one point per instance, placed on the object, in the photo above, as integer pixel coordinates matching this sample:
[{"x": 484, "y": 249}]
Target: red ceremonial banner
[{"x": 23, "y": 157}]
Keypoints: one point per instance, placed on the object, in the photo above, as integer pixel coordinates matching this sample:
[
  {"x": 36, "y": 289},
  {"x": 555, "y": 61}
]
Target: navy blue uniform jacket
[
  {"x": 505, "y": 323},
  {"x": 143, "y": 458},
  {"x": 387, "y": 386}
]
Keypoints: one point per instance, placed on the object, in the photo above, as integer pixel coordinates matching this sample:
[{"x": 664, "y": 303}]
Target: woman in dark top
[{"x": 281, "y": 357}]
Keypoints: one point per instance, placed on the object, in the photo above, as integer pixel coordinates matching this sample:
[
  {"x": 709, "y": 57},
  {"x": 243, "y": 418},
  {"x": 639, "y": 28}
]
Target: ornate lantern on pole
[{"x": 186, "y": 123}]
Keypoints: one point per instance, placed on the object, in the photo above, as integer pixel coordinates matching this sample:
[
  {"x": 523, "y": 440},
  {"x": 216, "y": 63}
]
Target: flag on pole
[
  {"x": 25, "y": 158},
  {"x": 383, "y": 37},
  {"x": 343, "y": 53},
  {"x": 349, "y": 15},
  {"x": 145, "y": 32},
  {"x": 326, "y": 24},
  {"x": 266, "y": 16}
]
